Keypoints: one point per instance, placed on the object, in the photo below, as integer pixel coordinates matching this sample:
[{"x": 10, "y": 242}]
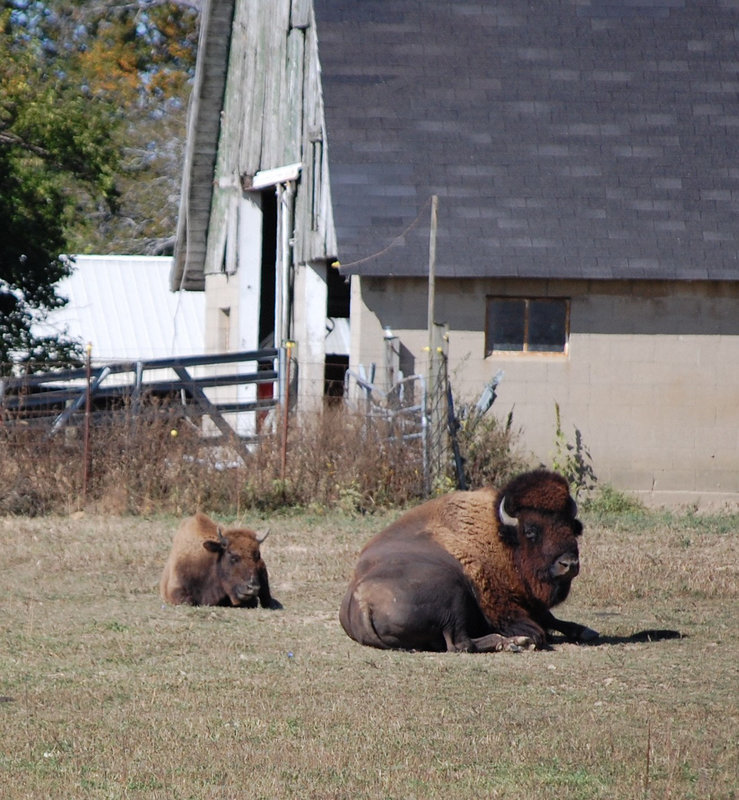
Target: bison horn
[
  {"x": 221, "y": 538},
  {"x": 505, "y": 517},
  {"x": 262, "y": 535}
]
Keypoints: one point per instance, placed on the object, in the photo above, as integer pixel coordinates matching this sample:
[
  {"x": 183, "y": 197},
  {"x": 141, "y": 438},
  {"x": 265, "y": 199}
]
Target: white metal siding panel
[{"x": 122, "y": 305}]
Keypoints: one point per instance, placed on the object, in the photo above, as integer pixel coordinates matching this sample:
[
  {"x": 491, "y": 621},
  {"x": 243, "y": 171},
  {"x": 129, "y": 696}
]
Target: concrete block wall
[{"x": 651, "y": 379}]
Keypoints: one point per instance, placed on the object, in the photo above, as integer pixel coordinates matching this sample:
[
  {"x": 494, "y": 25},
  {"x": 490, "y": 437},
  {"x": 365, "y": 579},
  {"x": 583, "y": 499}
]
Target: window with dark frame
[{"x": 526, "y": 325}]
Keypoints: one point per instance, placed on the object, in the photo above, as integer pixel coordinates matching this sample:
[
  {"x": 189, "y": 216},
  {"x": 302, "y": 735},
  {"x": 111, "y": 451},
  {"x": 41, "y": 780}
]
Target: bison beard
[{"x": 470, "y": 571}]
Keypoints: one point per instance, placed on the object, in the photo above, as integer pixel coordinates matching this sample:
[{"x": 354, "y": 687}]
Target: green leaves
[
  {"x": 92, "y": 108},
  {"x": 52, "y": 148}
]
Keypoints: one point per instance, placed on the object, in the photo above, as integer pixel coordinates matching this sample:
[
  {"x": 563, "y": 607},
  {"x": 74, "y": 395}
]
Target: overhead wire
[{"x": 393, "y": 242}]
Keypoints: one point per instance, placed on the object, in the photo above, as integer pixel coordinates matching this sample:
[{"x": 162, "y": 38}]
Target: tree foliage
[
  {"x": 139, "y": 57},
  {"x": 53, "y": 144},
  {"x": 92, "y": 125}
]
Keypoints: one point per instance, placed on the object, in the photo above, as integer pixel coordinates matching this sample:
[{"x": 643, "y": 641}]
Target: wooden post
[
  {"x": 88, "y": 404},
  {"x": 285, "y": 412},
  {"x": 392, "y": 362},
  {"x": 437, "y": 410},
  {"x": 432, "y": 276},
  {"x": 431, "y": 468}
]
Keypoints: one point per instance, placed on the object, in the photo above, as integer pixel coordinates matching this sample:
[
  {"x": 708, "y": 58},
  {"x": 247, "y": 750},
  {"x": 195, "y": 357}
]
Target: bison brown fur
[
  {"x": 208, "y": 566},
  {"x": 471, "y": 571}
]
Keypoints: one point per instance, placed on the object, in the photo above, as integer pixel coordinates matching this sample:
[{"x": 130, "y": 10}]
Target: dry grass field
[{"x": 105, "y": 693}]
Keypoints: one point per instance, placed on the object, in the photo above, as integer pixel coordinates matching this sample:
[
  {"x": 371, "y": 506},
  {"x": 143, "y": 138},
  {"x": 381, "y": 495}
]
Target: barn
[{"x": 565, "y": 171}]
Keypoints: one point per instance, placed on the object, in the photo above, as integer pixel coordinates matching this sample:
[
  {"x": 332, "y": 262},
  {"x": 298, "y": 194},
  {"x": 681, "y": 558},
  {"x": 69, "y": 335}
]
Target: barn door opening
[
  {"x": 268, "y": 275},
  {"x": 337, "y": 340},
  {"x": 268, "y": 284}
]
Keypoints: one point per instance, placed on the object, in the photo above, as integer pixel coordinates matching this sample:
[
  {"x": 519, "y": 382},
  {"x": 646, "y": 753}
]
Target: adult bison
[
  {"x": 208, "y": 566},
  {"x": 471, "y": 571}
]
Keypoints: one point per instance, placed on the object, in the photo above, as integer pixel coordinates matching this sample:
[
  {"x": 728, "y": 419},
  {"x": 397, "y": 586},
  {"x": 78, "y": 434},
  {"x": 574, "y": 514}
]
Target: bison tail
[{"x": 355, "y": 616}]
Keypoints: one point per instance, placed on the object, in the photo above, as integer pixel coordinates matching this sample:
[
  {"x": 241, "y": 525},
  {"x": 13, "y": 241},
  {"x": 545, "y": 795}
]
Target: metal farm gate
[{"x": 242, "y": 386}]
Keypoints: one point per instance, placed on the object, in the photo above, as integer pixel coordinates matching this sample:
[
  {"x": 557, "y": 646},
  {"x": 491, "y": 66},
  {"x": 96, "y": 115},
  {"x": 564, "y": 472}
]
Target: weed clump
[
  {"x": 490, "y": 450},
  {"x": 606, "y": 500},
  {"x": 160, "y": 462}
]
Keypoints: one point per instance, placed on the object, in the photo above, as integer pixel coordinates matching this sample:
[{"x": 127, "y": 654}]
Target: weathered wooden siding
[
  {"x": 256, "y": 105},
  {"x": 271, "y": 109},
  {"x": 202, "y": 138},
  {"x": 315, "y": 239},
  {"x": 301, "y": 13}
]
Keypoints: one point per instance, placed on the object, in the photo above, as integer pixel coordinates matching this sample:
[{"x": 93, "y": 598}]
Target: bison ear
[
  {"x": 213, "y": 546},
  {"x": 262, "y": 535}
]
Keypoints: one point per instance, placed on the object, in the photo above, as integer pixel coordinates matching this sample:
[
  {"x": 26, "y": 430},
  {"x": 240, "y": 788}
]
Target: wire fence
[
  {"x": 199, "y": 432},
  {"x": 217, "y": 435}
]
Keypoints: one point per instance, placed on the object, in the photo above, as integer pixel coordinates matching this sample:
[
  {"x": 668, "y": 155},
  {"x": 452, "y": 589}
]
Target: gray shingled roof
[{"x": 565, "y": 139}]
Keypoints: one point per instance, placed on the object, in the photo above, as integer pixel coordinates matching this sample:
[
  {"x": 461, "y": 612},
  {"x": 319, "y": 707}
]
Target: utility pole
[
  {"x": 435, "y": 385},
  {"x": 431, "y": 316}
]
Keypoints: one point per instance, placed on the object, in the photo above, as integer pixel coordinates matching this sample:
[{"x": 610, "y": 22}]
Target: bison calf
[
  {"x": 208, "y": 566},
  {"x": 471, "y": 571}
]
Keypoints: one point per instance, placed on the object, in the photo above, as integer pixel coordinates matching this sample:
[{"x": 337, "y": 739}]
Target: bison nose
[
  {"x": 566, "y": 566},
  {"x": 248, "y": 589}
]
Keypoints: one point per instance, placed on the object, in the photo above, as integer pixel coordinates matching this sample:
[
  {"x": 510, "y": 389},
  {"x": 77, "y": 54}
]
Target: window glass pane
[
  {"x": 506, "y": 321},
  {"x": 547, "y": 325}
]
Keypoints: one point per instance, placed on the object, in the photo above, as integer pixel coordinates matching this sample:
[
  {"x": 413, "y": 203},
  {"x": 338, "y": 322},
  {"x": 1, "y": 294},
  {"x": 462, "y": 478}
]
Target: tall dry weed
[{"x": 157, "y": 461}]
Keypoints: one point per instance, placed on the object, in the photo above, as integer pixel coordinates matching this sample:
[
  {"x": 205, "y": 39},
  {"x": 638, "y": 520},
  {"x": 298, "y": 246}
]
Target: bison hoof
[
  {"x": 588, "y": 635},
  {"x": 515, "y": 644},
  {"x": 495, "y": 642}
]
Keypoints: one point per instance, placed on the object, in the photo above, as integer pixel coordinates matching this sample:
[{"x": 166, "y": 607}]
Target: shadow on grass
[{"x": 640, "y": 637}]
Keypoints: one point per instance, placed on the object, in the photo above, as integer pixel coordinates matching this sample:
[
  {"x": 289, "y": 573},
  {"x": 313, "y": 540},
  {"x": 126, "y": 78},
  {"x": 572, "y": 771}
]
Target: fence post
[
  {"x": 88, "y": 404},
  {"x": 288, "y": 347},
  {"x": 430, "y": 467},
  {"x": 392, "y": 361},
  {"x": 437, "y": 410}
]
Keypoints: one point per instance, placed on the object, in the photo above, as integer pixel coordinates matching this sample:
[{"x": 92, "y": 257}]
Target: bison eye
[
  {"x": 234, "y": 558},
  {"x": 531, "y": 532}
]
